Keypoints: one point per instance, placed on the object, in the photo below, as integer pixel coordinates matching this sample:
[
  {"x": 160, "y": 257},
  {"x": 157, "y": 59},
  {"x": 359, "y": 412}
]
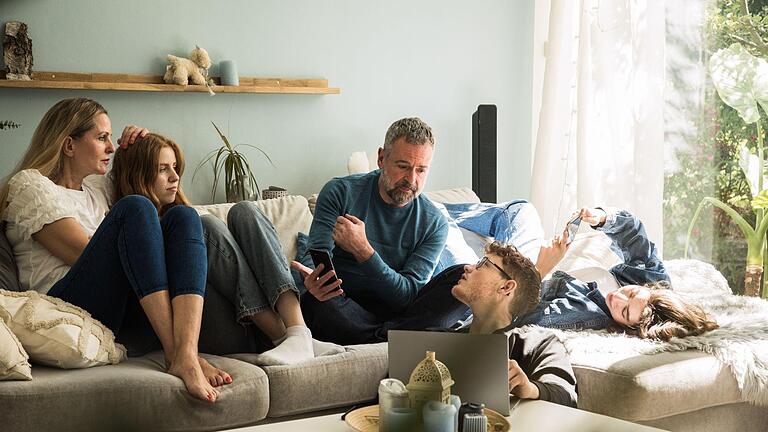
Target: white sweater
[{"x": 35, "y": 201}]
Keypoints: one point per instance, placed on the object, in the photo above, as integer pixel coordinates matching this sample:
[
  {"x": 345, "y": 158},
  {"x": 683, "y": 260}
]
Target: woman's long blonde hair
[
  {"x": 135, "y": 169},
  {"x": 68, "y": 118}
]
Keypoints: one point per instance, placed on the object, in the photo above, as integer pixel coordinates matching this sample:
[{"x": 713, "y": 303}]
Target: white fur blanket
[{"x": 741, "y": 342}]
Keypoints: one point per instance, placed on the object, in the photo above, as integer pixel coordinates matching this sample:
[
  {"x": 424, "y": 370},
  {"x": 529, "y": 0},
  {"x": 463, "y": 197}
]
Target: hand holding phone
[
  {"x": 324, "y": 258},
  {"x": 572, "y": 227}
]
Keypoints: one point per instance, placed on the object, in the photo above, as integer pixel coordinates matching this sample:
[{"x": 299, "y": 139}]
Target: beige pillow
[
  {"x": 56, "y": 333},
  {"x": 14, "y": 361}
]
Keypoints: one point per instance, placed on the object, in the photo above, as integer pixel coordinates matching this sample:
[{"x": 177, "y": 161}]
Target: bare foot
[
  {"x": 214, "y": 375},
  {"x": 188, "y": 369}
]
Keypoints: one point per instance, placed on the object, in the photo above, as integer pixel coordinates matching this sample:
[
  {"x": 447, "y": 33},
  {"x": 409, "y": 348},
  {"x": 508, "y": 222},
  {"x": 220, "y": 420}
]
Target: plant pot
[{"x": 233, "y": 192}]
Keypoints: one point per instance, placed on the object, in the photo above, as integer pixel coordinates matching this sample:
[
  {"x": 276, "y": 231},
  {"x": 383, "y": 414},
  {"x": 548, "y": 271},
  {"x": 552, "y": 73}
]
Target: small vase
[{"x": 228, "y": 72}]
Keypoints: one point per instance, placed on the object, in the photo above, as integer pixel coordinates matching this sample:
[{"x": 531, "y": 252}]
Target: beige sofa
[{"x": 683, "y": 391}]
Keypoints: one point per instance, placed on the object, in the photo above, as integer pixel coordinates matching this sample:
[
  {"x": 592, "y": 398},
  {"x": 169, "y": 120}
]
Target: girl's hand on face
[
  {"x": 592, "y": 216},
  {"x": 130, "y": 134}
]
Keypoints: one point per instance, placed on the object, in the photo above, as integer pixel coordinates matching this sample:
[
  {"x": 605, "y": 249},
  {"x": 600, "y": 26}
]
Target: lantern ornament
[{"x": 430, "y": 380}]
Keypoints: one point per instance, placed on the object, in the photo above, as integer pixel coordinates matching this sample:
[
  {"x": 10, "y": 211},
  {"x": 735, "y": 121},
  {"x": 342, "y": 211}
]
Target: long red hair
[{"x": 135, "y": 169}]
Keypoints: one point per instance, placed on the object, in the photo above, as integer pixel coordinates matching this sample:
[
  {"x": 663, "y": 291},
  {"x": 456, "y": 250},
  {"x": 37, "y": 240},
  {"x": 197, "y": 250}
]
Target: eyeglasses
[{"x": 485, "y": 261}]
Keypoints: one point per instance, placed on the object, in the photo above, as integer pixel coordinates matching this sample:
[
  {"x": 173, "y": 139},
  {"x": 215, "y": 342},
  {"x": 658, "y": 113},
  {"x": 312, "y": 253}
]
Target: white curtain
[{"x": 601, "y": 130}]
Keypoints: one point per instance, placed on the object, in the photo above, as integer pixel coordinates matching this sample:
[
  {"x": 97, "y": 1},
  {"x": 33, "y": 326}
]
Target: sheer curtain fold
[{"x": 601, "y": 130}]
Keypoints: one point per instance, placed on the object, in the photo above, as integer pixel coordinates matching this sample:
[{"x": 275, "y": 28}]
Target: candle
[
  {"x": 456, "y": 402},
  {"x": 228, "y": 72},
  {"x": 439, "y": 417},
  {"x": 392, "y": 394},
  {"x": 397, "y": 420}
]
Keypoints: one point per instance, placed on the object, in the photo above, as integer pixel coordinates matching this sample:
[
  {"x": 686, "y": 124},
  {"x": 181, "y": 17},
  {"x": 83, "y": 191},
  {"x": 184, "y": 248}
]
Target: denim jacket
[{"x": 568, "y": 303}]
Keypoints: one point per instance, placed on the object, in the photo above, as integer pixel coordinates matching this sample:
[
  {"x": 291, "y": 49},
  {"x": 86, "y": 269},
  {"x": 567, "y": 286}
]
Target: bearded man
[{"x": 385, "y": 239}]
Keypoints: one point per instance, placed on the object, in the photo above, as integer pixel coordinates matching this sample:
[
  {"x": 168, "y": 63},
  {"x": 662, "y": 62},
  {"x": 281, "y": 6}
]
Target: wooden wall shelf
[{"x": 154, "y": 83}]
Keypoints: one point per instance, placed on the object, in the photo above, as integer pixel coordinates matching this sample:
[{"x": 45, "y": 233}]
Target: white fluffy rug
[{"x": 741, "y": 342}]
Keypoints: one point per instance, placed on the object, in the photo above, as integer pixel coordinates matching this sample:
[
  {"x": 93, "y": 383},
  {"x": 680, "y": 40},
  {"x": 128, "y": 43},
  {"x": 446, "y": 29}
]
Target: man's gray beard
[{"x": 399, "y": 197}]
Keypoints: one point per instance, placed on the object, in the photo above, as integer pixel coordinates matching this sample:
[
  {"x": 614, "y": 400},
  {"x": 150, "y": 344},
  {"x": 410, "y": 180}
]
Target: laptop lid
[{"x": 478, "y": 362}]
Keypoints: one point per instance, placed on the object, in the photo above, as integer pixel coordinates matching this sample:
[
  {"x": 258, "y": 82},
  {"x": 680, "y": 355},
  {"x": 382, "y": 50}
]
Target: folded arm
[{"x": 65, "y": 239}]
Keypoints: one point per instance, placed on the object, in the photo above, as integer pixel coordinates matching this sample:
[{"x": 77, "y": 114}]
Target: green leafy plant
[
  {"x": 741, "y": 81},
  {"x": 239, "y": 181},
  {"x": 7, "y": 124}
]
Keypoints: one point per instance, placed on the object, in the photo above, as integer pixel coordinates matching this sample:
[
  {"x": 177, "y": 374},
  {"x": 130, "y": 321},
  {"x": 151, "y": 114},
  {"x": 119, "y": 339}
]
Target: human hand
[
  {"x": 592, "y": 216},
  {"x": 315, "y": 283},
  {"x": 519, "y": 384},
  {"x": 349, "y": 234},
  {"x": 130, "y": 134},
  {"x": 551, "y": 253}
]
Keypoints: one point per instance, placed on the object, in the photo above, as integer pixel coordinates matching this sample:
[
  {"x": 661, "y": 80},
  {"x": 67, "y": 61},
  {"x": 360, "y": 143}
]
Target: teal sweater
[{"x": 407, "y": 242}]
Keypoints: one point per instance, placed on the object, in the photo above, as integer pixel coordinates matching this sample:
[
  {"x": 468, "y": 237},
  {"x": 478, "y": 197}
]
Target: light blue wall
[{"x": 437, "y": 59}]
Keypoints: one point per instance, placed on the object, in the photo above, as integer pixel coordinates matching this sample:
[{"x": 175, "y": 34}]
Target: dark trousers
[
  {"x": 343, "y": 321},
  {"x": 132, "y": 254}
]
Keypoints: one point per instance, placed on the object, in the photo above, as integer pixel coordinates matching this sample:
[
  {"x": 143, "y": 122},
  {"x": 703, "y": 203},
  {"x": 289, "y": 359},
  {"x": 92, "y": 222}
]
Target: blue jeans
[
  {"x": 247, "y": 272},
  {"x": 514, "y": 222},
  {"x": 341, "y": 320},
  {"x": 132, "y": 254}
]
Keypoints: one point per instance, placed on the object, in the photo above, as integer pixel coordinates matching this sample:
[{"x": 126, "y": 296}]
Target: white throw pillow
[
  {"x": 14, "y": 361},
  {"x": 56, "y": 333}
]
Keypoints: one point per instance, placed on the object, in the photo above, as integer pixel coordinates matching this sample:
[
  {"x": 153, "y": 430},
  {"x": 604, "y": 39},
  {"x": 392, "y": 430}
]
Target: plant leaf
[
  {"x": 257, "y": 148},
  {"x": 760, "y": 201},
  {"x": 741, "y": 79}
]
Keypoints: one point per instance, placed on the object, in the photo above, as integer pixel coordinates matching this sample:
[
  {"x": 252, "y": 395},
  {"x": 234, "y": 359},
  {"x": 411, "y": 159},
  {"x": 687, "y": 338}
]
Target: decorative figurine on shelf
[
  {"x": 430, "y": 380},
  {"x": 183, "y": 71},
  {"x": 17, "y": 51}
]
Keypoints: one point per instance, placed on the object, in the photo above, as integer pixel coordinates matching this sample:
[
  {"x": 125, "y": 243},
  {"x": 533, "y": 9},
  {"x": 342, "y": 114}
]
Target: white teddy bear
[{"x": 181, "y": 71}]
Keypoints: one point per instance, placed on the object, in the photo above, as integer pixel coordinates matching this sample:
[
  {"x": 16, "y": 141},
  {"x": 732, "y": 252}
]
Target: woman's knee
[
  {"x": 183, "y": 217},
  {"x": 135, "y": 205}
]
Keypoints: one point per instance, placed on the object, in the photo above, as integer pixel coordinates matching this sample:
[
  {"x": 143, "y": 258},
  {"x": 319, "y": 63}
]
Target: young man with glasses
[{"x": 503, "y": 285}]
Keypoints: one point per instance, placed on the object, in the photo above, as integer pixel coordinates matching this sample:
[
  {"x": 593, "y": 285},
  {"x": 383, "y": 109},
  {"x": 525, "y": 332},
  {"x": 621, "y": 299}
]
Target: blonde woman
[{"x": 137, "y": 274}]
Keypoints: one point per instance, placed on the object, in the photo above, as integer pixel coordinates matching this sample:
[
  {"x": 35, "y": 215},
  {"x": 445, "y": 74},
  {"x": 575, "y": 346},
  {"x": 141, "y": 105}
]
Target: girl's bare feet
[
  {"x": 215, "y": 376},
  {"x": 187, "y": 367}
]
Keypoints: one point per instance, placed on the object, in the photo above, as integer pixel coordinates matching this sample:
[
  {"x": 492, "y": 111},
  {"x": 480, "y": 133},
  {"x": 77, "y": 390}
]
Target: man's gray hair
[{"x": 413, "y": 129}]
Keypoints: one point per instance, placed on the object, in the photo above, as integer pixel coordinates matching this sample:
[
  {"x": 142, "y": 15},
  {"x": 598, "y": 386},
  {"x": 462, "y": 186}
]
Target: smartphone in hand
[
  {"x": 572, "y": 227},
  {"x": 324, "y": 258}
]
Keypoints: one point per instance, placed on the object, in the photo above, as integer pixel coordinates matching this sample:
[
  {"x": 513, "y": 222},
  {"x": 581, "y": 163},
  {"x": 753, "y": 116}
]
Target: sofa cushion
[
  {"x": 325, "y": 382},
  {"x": 56, "y": 333},
  {"x": 453, "y": 196},
  {"x": 290, "y": 215},
  {"x": 648, "y": 387},
  {"x": 135, "y": 395},
  {"x": 14, "y": 361},
  {"x": 9, "y": 274}
]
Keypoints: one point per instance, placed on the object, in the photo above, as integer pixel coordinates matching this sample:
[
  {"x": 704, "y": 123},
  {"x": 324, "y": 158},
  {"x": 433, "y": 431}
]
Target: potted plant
[
  {"x": 239, "y": 181},
  {"x": 741, "y": 81}
]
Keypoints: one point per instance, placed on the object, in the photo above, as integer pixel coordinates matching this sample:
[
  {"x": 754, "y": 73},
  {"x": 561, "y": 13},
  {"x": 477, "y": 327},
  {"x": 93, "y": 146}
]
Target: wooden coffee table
[{"x": 525, "y": 416}]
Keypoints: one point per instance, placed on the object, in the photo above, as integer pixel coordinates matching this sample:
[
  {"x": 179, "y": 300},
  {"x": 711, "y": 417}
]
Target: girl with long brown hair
[{"x": 249, "y": 281}]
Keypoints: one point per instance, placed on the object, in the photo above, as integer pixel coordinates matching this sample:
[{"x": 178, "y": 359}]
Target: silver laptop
[{"x": 477, "y": 362}]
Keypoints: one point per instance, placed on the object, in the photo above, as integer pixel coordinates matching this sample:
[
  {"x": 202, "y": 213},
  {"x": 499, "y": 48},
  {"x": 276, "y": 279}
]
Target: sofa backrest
[
  {"x": 9, "y": 273},
  {"x": 292, "y": 215}
]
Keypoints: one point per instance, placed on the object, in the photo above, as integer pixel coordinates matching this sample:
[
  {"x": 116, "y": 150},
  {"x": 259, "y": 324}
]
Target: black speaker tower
[{"x": 484, "y": 153}]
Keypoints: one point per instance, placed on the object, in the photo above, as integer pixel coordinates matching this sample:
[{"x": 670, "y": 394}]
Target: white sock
[
  {"x": 296, "y": 347},
  {"x": 326, "y": 348}
]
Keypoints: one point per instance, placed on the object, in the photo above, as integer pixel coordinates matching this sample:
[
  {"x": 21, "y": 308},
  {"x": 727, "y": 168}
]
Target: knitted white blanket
[{"x": 741, "y": 342}]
